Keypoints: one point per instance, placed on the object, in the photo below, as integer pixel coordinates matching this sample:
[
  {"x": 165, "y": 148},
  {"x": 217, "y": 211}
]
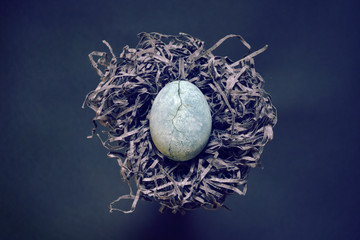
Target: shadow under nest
[{"x": 242, "y": 119}]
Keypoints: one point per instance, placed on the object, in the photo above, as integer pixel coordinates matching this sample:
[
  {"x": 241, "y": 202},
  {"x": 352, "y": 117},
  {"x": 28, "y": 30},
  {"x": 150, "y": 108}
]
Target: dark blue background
[{"x": 56, "y": 184}]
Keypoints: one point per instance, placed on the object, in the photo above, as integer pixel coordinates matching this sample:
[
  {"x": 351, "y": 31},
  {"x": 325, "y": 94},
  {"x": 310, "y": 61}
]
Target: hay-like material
[{"x": 242, "y": 113}]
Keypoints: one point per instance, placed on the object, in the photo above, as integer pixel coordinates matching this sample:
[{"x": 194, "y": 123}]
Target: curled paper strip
[{"x": 242, "y": 114}]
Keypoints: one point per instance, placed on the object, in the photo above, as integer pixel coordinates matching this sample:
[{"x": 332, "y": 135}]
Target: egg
[{"x": 180, "y": 121}]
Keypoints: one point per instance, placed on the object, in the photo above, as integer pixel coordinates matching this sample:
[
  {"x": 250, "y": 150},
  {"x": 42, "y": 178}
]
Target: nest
[{"x": 242, "y": 114}]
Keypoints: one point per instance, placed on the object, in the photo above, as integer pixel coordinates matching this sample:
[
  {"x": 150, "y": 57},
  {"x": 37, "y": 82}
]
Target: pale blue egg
[{"x": 180, "y": 121}]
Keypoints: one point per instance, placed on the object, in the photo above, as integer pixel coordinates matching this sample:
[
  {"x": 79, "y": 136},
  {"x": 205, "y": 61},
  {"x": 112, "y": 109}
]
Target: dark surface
[{"x": 56, "y": 184}]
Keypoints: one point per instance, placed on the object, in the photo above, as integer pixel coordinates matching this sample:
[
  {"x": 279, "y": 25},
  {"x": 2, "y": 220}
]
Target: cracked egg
[{"x": 180, "y": 121}]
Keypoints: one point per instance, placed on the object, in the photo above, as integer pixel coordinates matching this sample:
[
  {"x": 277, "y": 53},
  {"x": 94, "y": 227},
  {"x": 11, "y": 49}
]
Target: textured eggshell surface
[{"x": 180, "y": 121}]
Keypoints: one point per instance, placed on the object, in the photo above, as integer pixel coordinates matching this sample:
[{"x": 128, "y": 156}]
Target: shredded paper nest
[{"x": 242, "y": 114}]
